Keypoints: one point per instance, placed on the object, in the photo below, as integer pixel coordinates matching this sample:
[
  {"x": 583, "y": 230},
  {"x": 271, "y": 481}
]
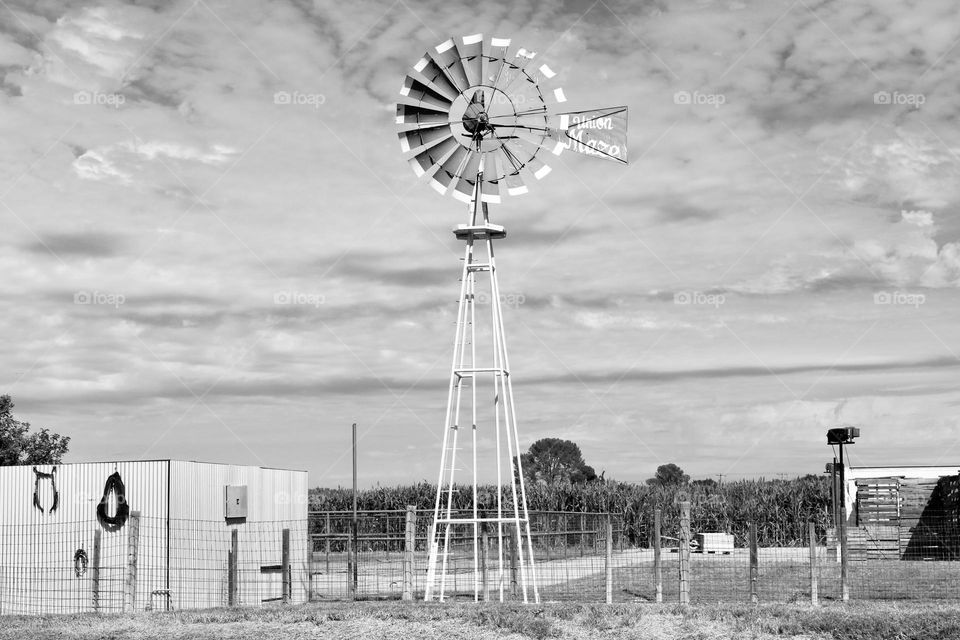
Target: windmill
[{"x": 476, "y": 122}]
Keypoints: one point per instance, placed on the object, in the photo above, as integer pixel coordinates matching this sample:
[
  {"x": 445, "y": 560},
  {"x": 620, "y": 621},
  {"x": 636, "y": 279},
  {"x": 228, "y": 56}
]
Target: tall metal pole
[
  {"x": 356, "y": 547},
  {"x": 844, "y": 587}
]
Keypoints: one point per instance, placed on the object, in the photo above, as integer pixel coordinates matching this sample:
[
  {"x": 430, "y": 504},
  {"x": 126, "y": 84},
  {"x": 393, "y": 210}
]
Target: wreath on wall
[
  {"x": 115, "y": 486},
  {"x": 37, "y": 477}
]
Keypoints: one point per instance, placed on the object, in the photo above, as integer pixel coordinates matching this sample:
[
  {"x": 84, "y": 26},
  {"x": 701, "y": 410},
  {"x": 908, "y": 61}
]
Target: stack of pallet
[
  {"x": 878, "y": 515},
  {"x": 878, "y": 501},
  {"x": 919, "y": 518},
  {"x": 873, "y": 542}
]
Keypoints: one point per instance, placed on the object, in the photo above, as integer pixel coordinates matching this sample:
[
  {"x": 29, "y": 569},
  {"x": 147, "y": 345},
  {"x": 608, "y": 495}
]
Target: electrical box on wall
[{"x": 236, "y": 501}]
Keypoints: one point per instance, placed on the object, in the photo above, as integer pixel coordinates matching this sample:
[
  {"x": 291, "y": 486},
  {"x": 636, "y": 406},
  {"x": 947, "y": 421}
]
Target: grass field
[{"x": 371, "y": 621}]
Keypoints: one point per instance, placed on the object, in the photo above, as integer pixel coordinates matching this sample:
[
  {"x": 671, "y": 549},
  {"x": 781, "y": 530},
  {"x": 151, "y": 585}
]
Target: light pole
[{"x": 841, "y": 436}]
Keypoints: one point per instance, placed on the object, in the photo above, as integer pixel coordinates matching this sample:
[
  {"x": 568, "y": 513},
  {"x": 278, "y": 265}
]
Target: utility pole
[{"x": 720, "y": 475}]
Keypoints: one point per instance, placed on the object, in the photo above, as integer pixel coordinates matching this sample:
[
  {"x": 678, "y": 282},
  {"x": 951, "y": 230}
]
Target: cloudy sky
[{"x": 781, "y": 255}]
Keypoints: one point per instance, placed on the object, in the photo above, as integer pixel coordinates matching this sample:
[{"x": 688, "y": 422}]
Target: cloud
[
  {"x": 315, "y": 199},
  {"x": 84, "y": 244}
]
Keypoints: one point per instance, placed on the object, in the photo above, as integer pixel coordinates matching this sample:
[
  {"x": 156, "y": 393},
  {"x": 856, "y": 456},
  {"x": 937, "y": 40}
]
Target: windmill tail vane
[{"x": 477, "y": 123}]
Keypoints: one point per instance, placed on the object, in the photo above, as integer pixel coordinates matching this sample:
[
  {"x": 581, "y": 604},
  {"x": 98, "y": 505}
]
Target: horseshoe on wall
[
  {"x": 113, "y": 485},
  {"x": 80, "y": 562},
  {"x": 37, "y": 477}
]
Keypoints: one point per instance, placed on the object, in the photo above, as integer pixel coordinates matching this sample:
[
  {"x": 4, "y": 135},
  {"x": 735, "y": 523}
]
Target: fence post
[
  {"x": 409, "y": 543},
  {"x": 326, "y": 543},
  {"x": 684, "y": 552},
  {"x": 814, "y": 596},
  {"x": 232, "y": 564},
  {"x": 95, "y": 569},
  {"x": 608, "y": 557},
  {"x": 285, "y": 575},
  {"x": 514, "y": 551},
  {"x": 754, "y": 563},
  {"x": 484, "y": 550},
  {"x": 351, "y": 585},
  {"x": 583, "y": 534},
  {"x": 309, "y": 566},
  {"x": 130, "y": 580},
  {"x": 657, "y": 564}
]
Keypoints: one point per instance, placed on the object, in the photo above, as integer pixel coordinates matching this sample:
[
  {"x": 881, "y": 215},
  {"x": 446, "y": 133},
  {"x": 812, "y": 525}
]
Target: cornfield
[{"x": 781, "y": 509}]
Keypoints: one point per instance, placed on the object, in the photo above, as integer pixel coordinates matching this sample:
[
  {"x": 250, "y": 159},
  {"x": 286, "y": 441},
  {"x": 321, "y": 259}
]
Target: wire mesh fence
[
  {"x": 150, "y": 563},
  {"x": 155, "y": 563},
  {"x": 592, "y": 557}
]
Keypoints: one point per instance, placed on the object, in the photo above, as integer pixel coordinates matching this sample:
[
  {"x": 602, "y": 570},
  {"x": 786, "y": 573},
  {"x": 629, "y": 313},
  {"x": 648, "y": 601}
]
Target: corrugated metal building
[{"x": 52, "y": 517}]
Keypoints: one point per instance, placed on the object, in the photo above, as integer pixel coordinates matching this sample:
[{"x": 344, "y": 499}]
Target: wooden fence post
[
  {"x": 326, "y": 543},
  {"x": 130, "y": 580},
  {"x": 514, "y": 553},
  {"x": 583, "y": 534},
  {"x": 684, "y": 552},
  {"x": 95, "y": 569},
  {"x": 285, "y": 575},
  {"x": 409, "y": 544},
  {"x": 484, "y": 550},
  {"x": 351, "y": 585},
  {"x": 814, "y": 596},
  {"x": 608, "y": 557},
  {"x": 657, "y": 562},
  {"x": 309, "y": 567},
  {"x": 232, "y": 565},
  {"x": 754, "y": 563}
]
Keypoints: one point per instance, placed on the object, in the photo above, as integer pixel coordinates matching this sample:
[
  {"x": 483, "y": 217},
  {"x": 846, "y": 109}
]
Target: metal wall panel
[
  {"x": 37, "y": 547},
  {"x": 276, "y": 499}
]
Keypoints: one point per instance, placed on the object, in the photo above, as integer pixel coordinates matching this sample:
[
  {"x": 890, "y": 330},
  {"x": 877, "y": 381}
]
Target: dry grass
[{"x": 369, "y": 621}]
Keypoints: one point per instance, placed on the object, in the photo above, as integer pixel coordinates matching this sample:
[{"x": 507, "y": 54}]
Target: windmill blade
[
  {"x": 490, "y": 187},
  {"x": 416, "y": 115},
  {"x": 419, "y": 140},
  {"x": 527, "y": 152},
  {"x": 471, "y": 56},
  {"x": 512, "y": 71},
  {"x": 465, "y": 186},
  {"x": 428, "y": 161},
  {"x": 447, "y": 57},
  {"x": 430, "y": 73},
  {"x": 417, "y": 88},
  {"x": 425, "y": 101},
  {"x": 600, "y": 133},
  {"x": 497, "y": 53},
  {"x": 449, "y": 170},
  {"x": 514, "y": 181}
]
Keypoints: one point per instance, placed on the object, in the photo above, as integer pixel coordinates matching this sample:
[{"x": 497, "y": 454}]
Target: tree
[
  {"x": 706, "y": 482},
  {"x": 552, "y": 461},
  {"x": 669, "y": 474},
  {"x": 19, "y": 446}
]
